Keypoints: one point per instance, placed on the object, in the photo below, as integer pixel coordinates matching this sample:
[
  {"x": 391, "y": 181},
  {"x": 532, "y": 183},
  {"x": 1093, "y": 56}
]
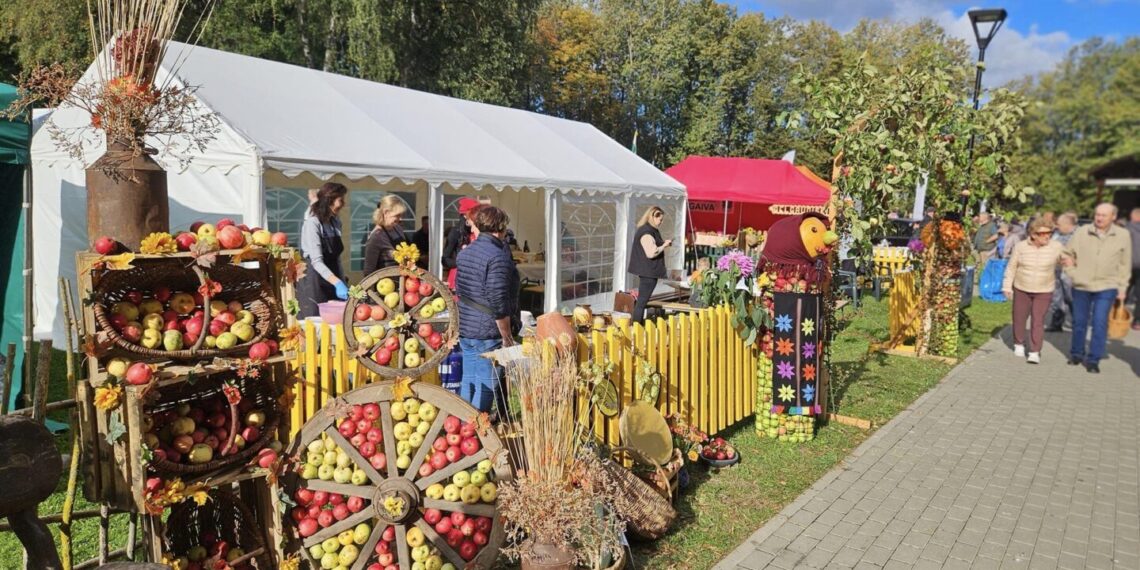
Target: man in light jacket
[
  {"x": 1100, "y": 265},
  {"x": 1134, "y": 229}
]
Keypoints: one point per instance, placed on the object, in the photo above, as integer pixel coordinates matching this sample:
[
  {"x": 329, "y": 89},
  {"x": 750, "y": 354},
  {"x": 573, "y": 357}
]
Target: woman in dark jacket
[
  {"x": 321, "y": 246},
  {"x": 458, "y": 238},
  {"x": 647, "y": 258},
  {"x": 487, "y": 284},
  {"x": 382, "y": 242}
]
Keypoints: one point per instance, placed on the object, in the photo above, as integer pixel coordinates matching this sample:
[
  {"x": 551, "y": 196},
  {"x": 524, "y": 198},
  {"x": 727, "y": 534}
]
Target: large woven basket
[
  {"x": 652, "y": 511},
  {"x": 260, "y": 390},
  {"x": 247, "y": 286},
  {"x": 226, "y": 518}
]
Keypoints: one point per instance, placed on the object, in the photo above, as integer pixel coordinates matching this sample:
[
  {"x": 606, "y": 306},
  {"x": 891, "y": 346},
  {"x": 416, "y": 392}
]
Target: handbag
[{"x": 1119, "y": 321}]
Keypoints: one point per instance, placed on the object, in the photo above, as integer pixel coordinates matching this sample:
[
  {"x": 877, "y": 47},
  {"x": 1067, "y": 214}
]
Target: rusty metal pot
[{"x": 126, "y": 197}]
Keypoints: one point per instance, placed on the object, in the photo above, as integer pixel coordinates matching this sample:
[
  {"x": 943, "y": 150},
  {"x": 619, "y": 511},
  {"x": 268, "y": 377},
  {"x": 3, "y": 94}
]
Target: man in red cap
[{"x": 458, "y": 238}]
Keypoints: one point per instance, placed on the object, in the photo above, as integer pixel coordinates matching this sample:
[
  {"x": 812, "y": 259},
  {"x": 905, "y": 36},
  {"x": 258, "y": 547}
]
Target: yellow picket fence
[{"x": 708, "y": 376}]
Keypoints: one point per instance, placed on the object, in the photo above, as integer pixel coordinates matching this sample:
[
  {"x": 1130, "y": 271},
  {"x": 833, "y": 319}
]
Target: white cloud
[{"x": 1013, "y": 53}]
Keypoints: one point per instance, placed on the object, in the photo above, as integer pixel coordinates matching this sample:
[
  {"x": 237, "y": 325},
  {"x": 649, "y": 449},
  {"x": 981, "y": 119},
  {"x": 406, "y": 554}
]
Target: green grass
[{"x": 719, "y": 510}]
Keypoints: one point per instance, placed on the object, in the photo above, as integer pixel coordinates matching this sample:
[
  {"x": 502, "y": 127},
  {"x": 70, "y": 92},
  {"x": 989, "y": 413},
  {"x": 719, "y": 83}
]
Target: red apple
[
  {"x": 193, "y": 326},
  {"x": 389, "y": 534},
  {"x": 392, "y": 343},
  {"x": 426, "y": 289},
  {"x": 432, "y": 516},
  {"x": 251, "y": 434},
  {"x": 198, "y": 435},
  {"x": 440, "y": 444},
  {"x": 468, "y": 527},
  {"x": 426, "y": 469},
  {"x": 163, "y": 294},
  {"x": 303, "y": 497},
  {"x": 424, "y": 330},
  {"x": 435, "y": 340},
  {"x": 378, "y": 461},
  {"x": 367, "y": 449},
  {"x": 371, "y": 411},
  {"x": 347, "y": 428},
  {"x": 356, "y": 413},
  {"x": 185, "y": 241},
  {"x": 341, "y": 512},
  {"x": 439, "y": 461},
  {"x": 453, "y": 454},
  {"x": 483, "y": 524},
  {"x": 218, "y": 327},
  {"x": 451, "y": 424},
  {"x": 175, "y": 325},
  {"x": 479, "y": 538},
  {"x": 298, "y": 514},
  {"x": 454, "y": 538},
  {"x": 135, "y": 297},
  {"x": 194, "y": 226},
  {"x": 457, "y": 518},
  {"x": 314, "y": 511},
  {"x": 223, "y": 223},
  {"x": 383, "y": 356},
  {"x": 375, "y": 435},
  {"x": 139, "y": 373},
  {"x": 411, "y": 284},
  {"x": 260, "y": 351},
  {"x": 444, "y": 526},
  {"x": 118, "y": 321},
  {"x": 307, "y": 528},
  {"x": 320, "y": 498},
  {"x": 355, "y": 504},
  {"x": 468, "y": 550},
  {"x": 279, "y": 239},
  {"x": 266, "y": 458},
  {"x": 362, "y": 312},
  {"x": 336, "y": 499},
  {"x": 363, "y": 425},
  {"x": 377, "y": 313},
  {"x": 454, "y": 439},
  {"x": 226, "y": 317},
  {"x": 183, "y": 443},
  {"x": 358, "y": 440},
  {"x": 325, "y": 519},
  {"x": 105, "y": 246},
  {"x": 411, "y": 298},
  {"x": 467, "y": 429}
]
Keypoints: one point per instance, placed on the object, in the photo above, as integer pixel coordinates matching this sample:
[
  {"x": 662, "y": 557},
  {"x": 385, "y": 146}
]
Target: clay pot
[
  {"x": 557, "y": 328},
  {"x": 126, "y": 197},
  {"x": 548, "y": 557}
]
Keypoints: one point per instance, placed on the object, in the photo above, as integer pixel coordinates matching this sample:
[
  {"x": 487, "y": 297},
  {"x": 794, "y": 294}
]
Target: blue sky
[{"x": 1036, "y": 35}]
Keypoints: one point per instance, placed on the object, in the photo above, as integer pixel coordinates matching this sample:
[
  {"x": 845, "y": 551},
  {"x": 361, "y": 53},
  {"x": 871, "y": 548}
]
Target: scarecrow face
[{"x": 817, "y": 239}]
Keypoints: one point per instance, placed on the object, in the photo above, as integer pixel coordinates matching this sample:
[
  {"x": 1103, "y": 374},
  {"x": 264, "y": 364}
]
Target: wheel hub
[{"x": 396, "y": 500}]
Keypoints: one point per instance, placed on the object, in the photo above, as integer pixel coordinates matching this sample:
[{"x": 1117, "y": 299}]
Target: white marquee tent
[{"x": 286, "y": 129}]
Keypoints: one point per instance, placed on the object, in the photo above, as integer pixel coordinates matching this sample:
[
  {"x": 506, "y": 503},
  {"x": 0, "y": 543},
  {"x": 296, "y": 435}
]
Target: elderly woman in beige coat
[{"x": 1029, "y": 280}]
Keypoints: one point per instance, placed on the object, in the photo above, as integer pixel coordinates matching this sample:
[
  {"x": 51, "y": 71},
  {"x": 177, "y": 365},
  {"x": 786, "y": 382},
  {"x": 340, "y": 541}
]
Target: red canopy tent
[{"x": 728, "y": 194}]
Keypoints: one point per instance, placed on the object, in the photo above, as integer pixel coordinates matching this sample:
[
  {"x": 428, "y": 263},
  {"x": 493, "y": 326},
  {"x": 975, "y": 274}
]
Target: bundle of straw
[{"x": 547, "y": 388}]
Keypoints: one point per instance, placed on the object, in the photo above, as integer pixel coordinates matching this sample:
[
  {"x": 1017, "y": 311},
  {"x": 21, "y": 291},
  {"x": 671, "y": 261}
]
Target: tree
[
  {"x": 34, "y": 32},
  {"x": 1087, "y": 112}
]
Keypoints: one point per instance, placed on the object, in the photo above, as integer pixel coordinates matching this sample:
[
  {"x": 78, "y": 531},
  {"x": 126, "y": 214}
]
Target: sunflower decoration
[
  {"x": 406, "y": 255},
  {"x": 108, "y": 396},
  {"x": 158, "y": 243}
]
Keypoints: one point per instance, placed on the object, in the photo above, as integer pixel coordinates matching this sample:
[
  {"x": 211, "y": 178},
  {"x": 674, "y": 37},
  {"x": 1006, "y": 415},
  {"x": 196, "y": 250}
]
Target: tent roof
[
  {"x": 304, "y": 120},
  {"x": 15, "y": 136},
  {"x": 753, "y": 180}
]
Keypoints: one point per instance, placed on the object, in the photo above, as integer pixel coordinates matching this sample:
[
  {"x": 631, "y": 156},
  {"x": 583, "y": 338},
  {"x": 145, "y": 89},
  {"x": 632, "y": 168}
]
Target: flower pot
[
  {"x": 126, "y": 197},
  {"x": 548, "y": 557},
  {"x": 557, "y": 328}
]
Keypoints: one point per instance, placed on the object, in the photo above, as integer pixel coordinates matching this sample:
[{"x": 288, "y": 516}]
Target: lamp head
[{"x": 986, "y": 23}]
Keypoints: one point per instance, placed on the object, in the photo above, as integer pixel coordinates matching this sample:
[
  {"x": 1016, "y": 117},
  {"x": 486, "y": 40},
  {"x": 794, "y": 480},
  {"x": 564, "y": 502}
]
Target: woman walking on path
[
  {"x": 1029, "y": 280},
  {"x": 647, "y": 258}
]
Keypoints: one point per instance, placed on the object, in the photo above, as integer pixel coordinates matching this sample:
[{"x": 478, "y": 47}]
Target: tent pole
[
  {"x": 436, "y": 236},
  {"x": 724, "y": 225},
  {"x": 553, "y": 250},
  {"x": 29, "y": 291}
]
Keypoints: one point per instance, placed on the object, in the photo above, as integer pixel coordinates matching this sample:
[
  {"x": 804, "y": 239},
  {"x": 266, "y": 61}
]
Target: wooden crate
[
  {"x": 268, "y": 266},
  {"x": 115, "y": 472}
]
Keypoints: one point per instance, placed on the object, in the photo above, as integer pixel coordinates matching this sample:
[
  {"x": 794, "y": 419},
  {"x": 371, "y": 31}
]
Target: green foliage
[{"x": 1086, "y": 114}]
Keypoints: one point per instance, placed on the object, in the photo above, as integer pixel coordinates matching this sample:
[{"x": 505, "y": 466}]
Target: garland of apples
[{"x": 433, "y": 506}]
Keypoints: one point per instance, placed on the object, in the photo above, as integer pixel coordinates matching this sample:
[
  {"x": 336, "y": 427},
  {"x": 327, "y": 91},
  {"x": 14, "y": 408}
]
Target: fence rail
[{"x": 708, "y": 376}]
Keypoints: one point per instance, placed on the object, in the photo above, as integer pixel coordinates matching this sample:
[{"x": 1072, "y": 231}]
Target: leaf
[
  {"x": 246, "y": 253},
  {"x": 204, "y": 254},
  {"x": 118, "y": 262},
  {"x": 115, "y": 427},
  {"x": 402, "y": 388},
  {"x": 294, "y": 269},
  {"x": 357, "y": 292}
]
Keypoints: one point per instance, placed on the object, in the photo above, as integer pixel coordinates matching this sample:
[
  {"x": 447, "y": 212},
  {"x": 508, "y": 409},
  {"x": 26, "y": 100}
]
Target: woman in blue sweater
[{"x": 487, "y": 284}]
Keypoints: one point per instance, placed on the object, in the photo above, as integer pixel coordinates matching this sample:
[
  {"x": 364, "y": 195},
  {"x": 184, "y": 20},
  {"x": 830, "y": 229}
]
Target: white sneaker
[
  {"x": 1034, "y": 358},
  {"x": 1019, "y": 350}
]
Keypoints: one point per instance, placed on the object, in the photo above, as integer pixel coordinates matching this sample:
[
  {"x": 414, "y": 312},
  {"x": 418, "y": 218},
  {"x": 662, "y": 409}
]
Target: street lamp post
[{"x": 986, "y": 23}]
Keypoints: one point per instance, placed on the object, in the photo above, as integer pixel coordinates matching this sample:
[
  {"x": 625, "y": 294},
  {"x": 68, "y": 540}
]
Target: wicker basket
[
  {"x": 260, "y": 390},
  {"x": 247, "y": 286},
  {"x": 664, "y": 479},
  {"x": 652, "y": 512},
  {"x": 224, "y": 516}
]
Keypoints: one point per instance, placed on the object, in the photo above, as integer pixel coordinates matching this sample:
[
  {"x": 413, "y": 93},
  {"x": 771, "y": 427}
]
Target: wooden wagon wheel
[
  {"x": 388, "y": 337},
  {"x": 398, "y": 493}
]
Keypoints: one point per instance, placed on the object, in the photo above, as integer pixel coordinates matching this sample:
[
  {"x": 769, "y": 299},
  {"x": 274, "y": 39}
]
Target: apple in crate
[{"x": 105, "y": 245}]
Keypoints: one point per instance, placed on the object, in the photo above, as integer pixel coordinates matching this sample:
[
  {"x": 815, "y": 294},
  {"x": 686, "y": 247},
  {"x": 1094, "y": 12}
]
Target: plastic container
[{"x": 332, "y": 312}]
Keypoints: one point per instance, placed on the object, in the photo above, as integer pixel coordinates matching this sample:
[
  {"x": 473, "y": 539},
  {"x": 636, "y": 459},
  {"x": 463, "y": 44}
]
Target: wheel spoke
[
  {"x": 389, "y": 439},
  {"x": 354, "y": 454},
  {"x": 339, "y": 527},
  {"x": 421, "y": 453},
  {"x": 362, "y": 491},
  {"x": 444, "y": 548},
  {"x": 402, "y": 546},
  {"x": 366, "y": 551},
  {"x": 452, "y": 469},
  {"x": 362, "y": 324},
  {"x": 376, "y": 298},
  {"x": 477, "y": 509}
]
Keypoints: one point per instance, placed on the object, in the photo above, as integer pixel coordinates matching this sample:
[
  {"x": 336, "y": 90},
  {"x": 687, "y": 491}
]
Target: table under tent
[{"x": 287, "y": 129}]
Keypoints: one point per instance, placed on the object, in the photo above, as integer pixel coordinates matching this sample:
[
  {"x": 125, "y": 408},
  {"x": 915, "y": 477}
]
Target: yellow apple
[{"x": 385, "y": 286}]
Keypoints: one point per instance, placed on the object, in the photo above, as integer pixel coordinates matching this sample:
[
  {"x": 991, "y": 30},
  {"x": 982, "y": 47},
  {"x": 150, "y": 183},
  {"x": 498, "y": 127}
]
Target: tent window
[
  {"x": 362, "y": 203},
  {"x": 588, "y": 231},
  {"x": 285, "y": 210}
]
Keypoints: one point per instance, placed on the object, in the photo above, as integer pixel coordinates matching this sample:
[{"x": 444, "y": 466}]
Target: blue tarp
[{"x": 989, "y": 286}]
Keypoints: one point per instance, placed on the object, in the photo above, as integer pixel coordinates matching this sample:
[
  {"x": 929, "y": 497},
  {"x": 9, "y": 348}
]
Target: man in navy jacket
[{"x": 487, "y": 284}]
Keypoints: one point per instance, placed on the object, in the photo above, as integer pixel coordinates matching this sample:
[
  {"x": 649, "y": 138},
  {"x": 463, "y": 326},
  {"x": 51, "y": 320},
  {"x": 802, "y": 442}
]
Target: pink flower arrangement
[{"x": 742, "y": 261}]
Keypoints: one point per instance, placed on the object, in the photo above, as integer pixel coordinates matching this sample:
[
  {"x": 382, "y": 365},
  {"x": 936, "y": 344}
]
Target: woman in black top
[
  {"x": 647, "y": 258},
  {"x": 382, "y": 242},
  {"x": 321, "y": 246}
]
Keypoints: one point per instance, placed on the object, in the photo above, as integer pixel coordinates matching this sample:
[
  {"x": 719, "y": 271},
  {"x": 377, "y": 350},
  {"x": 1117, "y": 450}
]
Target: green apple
[
  {"x": 342, "y": 459},
  {"x": 126, "y": 309},
  {"x": 434, "y": 491},
  {"x": 404, "y": 448},
  {"x": 330, "y": 445},
  {"x": 385, "y": 286},
  {"x": 421, "y": 552},
  {"x": 411, "y": 405},
  {"x": 402, "y": 430},
  {"x": 316, "y": 551},
  {"x": 196, "y": 553},
  {"x": 428, "y": 412},
  {"x": 243, "y": 331},
  {"x": 448, "y": 566},
  {"x": 461, "y": 479},
  {"x": 488, "y": 492},
  {"x": 182, "y": 426},
  {"x": 422, "y": 428},
  {"x": 316, "y": 446},
  {"x": 376, "y": 332},
  {"x": 403, "y": 462},
  {"x": 392, "y": 300},
  {"x": 227, "y": 340},
  {"x": 439, "y": 304},
  {"x": 315, "y": 459},
  {"x": 329, "y": 560},
  {"x": 361, "y": 533},
  {"x": 172, "y": 340},
  {"x": 342, "y": 474},
  {"x": 412, "y": 360},
  {"x": 427, "y": 312},
  {"x": 411, "y": 345},
  {"x": 150, "y": 307},
  {"x": 117, "y": 367},
  {"x": 451, "y": 493},
  {"x": 153, "y": 321},
  {"x": 359, "y": 477},
  {"x": 478, "y": 478},
  {"x": 151, "y": 338},
  {"x": 413, "y": 420},
  {"x": 329, "y": 458},
  {"x": 470, "y": 494},
  {"x": 364, "y": 339},
  {"x": 434, "y": 562},
  {"x": 309, "y": 471},
  {"x": 245, "y": 316},
  {"x": 345, "y": 537},
  {"x": 200, "y": 453},
  {"x": 325, "y": 472},
  {"x": 211, "y": 341},
  {"x": 416, "y": 439},
  {"x": 348, "y": 554},
  {"x": 485, "y": 466},
  {"x": 398, "y": 412}
]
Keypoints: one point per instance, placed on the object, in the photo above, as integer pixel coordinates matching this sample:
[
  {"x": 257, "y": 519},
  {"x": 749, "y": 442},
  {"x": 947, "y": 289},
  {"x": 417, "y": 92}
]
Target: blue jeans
[
  {"x": 1099, "y": 303},
  {"x": 480, "y": 382}
]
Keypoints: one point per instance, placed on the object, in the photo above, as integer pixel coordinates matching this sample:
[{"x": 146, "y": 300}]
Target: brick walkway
[{"x": 1004, "y": 464}]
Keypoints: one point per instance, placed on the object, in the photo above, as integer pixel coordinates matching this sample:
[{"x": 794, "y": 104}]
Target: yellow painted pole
[
  {"x": 674, "y": 377},
  {"x": 649, "y": 349},
  {"x": 599, "y": 356},
  {"x": 310, "y": 371},
  {"x": 684, "y": 376},
  {"x": 297, "y": 411},
  {"x": 615, "y": 347},
  {"x": 721, "y": 355},
  {"x": 341, "y": 368},
  {"x": 701, "y": 366},
  {"x": 324, "y": 363}
]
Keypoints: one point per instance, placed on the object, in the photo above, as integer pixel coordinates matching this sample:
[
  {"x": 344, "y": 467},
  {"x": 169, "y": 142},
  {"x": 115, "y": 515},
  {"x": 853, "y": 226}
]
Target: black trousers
[{"x": 645, "y": 288}]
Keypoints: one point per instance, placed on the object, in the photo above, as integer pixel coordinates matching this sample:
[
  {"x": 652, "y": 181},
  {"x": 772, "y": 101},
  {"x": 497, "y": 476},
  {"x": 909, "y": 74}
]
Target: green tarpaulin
[{"x": 15, "y": 140}]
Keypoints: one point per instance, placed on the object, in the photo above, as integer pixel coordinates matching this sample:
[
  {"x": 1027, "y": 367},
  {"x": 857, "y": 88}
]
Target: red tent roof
[{"x": 754, "y": 180}]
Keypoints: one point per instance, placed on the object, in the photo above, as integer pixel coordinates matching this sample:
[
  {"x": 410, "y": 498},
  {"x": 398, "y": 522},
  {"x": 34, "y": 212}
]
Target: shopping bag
[
  {"x": 989, "y": 286},
  {"x": 1119, "y": 321}
]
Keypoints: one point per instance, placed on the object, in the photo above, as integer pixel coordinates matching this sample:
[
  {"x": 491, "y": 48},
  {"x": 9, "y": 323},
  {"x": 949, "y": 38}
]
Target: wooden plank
[
  {"x": 338, "y": 527},
  {"x": 402, "y": 552},
  {"x": 674, "y": 379},
  {"x": 649, "y": 351},
  {"x": 361, "y": 462},
  {"x": 685, "y": 341},
  {"x": 340, "y": 370},
  {"x": 132, "y": 418},
  {"x": 429, "y": 438},
  {"x": 700, "y": 371},
  {"x": 465, "y": 463},
  {"x": 347, "y": 489},
  {"x": 439, "y": 542},
  {"x": 325, "y": 364},
  {"x": 310, "y": 377},
  {"x": 477, "y": 509},
  {"x": 614, "y": 345}
]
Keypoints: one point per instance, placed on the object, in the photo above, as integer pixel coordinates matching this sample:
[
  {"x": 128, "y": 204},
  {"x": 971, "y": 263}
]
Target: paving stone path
[{"x": 1004, "y": 464}]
